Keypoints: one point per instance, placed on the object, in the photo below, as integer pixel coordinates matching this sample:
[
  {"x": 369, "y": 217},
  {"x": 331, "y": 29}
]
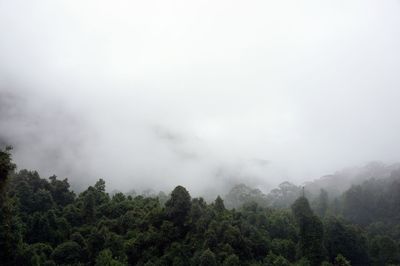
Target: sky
[{"x": 205, "y": 94}]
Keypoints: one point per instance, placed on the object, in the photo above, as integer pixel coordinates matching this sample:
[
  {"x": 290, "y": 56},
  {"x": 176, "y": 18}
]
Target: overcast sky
[{"x": 200, "y": 93}]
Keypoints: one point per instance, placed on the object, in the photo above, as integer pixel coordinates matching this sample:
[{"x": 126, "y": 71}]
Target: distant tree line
[{"x": 43, "y": 222}]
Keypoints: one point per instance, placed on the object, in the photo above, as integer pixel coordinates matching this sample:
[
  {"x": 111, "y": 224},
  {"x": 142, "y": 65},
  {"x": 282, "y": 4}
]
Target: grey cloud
[
  {"x": 158, "y": 93},
  {"x": 176, "y": 143}
]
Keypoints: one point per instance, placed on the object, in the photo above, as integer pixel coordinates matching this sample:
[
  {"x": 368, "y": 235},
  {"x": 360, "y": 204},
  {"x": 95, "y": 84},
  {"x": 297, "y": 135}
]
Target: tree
[
  {"x": 284, "y": 247},
  {"x": 303, "y": 262},
  {"x": 43, "y": 223},
  {"x": 208, "y": 258},
  {"x": 60, "y": 191},
  {"x": 210, "y": 239},
  {"x": 67, "y": 253},
  {"x": 311, "y": 232},
  {"x": 10, "y": 227},
  {"x": 100, "y": 185},
  {"x": 10, "y": 233},
  {"x": 346, "y": 240},
  {"x": 105, "y": 259},
  {"x": 119, "y": 197},
  {"x": 6, "y": 165},
  {"x": 89, "y": 211},
  {"x": 276, "y": 260},
  {"x": 78, "y": 238},
  {"x": 39, "y": 254},
  {"x": 341, "y": 261},
  {"x": 219, "y": 204},
  {"x": 178, "y": 206},
  {"x": 42, "y": 200},
  {"x": 96, "y": 240},
  {"x": 322, "y": 203},
  {"x": 39, "y": 229},
  {"x": 231, "y": 260},
  {"x": 384, "y": 251}
]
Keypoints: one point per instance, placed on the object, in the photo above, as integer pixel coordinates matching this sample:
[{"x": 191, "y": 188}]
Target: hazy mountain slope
[{"x": 340, "y": 181}]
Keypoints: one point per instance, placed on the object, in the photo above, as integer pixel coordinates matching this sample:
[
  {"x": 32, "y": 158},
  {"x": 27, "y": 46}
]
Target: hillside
[{"x": 43, "y": 222}]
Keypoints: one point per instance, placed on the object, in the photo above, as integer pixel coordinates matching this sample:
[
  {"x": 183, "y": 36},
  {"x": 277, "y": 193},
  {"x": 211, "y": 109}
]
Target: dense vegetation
[{"x": 43, "y": 222}]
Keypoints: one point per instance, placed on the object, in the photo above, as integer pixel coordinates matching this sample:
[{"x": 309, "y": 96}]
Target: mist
[{"x": 203, "y": 94}]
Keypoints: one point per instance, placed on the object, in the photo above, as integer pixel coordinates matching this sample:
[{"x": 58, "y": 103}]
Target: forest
[{"x": 44, "y": 222}]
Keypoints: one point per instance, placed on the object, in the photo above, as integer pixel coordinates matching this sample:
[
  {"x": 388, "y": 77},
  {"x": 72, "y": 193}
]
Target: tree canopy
[{"x": 43, "y": 222}]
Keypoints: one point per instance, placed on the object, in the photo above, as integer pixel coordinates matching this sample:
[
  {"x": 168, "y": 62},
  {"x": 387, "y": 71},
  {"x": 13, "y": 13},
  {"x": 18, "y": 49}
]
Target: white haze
[{"x": 151, "y": 94}]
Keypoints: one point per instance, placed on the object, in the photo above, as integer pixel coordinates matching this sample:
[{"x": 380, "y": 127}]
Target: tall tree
[
  {"x": 10, "y": 231},
  {"x": 89, "y": 210},
  {"x": 219, "y": 204},
  {"x": 178, "y": 206},
  {"x": 310, "y": 232},
  {"x": 322, "y": 203},
  {"x": 6, "y": 165},
  {"x": 208, "y": 258}
]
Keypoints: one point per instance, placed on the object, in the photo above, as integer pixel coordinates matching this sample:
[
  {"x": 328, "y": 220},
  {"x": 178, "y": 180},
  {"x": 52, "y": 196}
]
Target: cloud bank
[{"x": 199, "y": 93}]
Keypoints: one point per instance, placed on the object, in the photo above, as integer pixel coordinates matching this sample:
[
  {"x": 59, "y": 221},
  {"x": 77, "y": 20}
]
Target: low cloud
[{"x": 155, "y": 94}]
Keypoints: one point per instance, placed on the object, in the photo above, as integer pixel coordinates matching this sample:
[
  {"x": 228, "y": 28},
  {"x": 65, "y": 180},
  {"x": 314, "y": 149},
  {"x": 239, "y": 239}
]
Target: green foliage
[
  {"x": 6, "y": 165},
  {"x": 341, "y": 261},
  {"x": 303, "y": 262},
  {"x": 219, "y": 204},
  {"x": 60, "y": 191},
  {"x": 100, "y": 186},
  {"x": 178, "y": 206},
  {"x": 322, "y": 203},
  {"x": 42, "y": 222},
  {"x": 10, "y": 232},
  {"x": 105, "y": 258},
  {"x": 374, "y": 200},
  {"x": 67, "y": 253},
  {"x": 208, "y": 258},
  {"x": 346, "y": 240},
  {"x": 384, "y": 251},
  {"x": 310, "y": 232},
  {"x": 88, "y": 210},
  {"x": 241, "y": 194},
  {"x": 10, "y": 226},
  {"x": 284, "y": 247},
  {"x": 231, "y": 260},
  {"x": 276, "y": 260}
]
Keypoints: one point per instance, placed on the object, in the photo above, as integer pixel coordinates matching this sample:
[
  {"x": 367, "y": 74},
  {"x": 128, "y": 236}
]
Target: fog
[{"x": 206, "y": 94}]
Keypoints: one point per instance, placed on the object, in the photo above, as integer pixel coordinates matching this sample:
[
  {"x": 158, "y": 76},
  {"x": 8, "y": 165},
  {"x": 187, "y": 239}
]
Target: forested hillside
[{"x": 43, "y": 222}]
